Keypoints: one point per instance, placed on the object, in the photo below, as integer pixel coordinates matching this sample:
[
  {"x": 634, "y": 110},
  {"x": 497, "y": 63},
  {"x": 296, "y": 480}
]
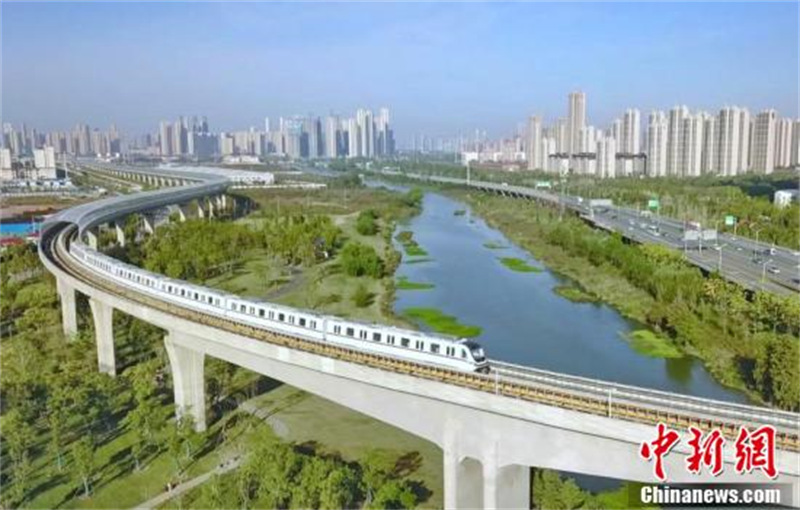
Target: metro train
[{"x": 419, "y": 347}]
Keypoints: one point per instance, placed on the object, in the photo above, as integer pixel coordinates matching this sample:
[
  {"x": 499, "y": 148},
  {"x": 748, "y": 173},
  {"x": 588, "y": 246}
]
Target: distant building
[
  {"x": 657, "y": 145},
  {"x": 764, "y": 142}
]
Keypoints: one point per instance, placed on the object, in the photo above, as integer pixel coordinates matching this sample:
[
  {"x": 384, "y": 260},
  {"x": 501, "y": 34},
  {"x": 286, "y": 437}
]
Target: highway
[{"x": 755, "y": 266}]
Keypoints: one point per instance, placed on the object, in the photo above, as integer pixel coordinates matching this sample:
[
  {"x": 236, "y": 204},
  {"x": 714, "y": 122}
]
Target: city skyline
[{"x": 278, "y": 60}]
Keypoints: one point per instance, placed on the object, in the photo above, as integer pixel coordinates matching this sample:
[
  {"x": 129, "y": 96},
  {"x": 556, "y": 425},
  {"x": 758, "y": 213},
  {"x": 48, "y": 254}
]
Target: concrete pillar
[
  {"x": 211, "y": 207},
  {"x": 180, "y": 209},
  {"x": 91, "y": 238},
  {"x": 120, "y": 233},
  {"x": 69, "y": 313},
  {"x": 187, "y": 378},
  {"x": 463, "y": 486},
  {"x": 104, "y": 330},
  {"x": 506, "y": 486},
  {"x": 148, "y": 223},
  {"x": 200, "y": 212}
]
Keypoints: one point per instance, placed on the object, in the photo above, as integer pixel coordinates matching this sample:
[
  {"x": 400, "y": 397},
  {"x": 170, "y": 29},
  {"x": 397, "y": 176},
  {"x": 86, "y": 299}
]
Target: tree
[
  {"x": 366, "y": 223},
  {"x": 358, "y": 259},
  {"x": 83, "y": 462},
  {"x": 18, "y": 435},
  {"x": 394, "y": 494},
  {"x": 341, "y": 489}
]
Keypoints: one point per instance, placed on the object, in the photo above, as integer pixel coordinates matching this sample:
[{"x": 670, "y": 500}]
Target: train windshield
[{"x": 476, "y": 350}]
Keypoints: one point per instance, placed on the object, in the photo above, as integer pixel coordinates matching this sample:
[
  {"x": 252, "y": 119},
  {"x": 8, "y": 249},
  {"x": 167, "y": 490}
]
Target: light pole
[
  {"x": 755, "y": 247},
  {"x": 719, "y": 264},
  {"x": 764, "y": 270}
]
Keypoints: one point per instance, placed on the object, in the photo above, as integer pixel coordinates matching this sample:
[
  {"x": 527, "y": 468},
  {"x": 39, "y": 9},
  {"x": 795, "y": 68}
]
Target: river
[{"x": 523, "y": 321}]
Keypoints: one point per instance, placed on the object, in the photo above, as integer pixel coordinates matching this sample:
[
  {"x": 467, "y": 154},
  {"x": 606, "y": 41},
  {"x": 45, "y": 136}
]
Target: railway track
[{"x": 549, "y": 388}]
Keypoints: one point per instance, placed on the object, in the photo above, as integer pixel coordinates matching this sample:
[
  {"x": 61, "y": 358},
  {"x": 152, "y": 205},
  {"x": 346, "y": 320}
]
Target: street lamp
[
  {"x": 719, "y": 264},
  {"x": 764, "y": 270}
]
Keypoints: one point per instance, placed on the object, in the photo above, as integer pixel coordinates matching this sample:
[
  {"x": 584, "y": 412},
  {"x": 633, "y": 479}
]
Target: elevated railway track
[{"x": 584, "y": 395}]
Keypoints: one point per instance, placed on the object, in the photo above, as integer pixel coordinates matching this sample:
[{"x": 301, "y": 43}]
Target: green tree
[
  {"x": 358, "y": 259},
  {"x": 83, "y": 462}
]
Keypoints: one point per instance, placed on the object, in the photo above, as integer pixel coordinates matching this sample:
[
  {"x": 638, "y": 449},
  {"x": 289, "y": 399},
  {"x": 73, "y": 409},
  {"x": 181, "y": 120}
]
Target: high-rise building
[
  {"x": 367, "y": 133},
  {"x": 708, "y": 160},
  {"x": 631, "y": 132},
  {"x": 534, "y": 143},
  {"x": 576, "y": 121},
  {"x": 675, "y": 140},
  {"x": 733, "y": 125},
  {"x": 795, "y": 158},
  {"x": 606, "y": 157},
  {"x": 616, "y": 134},
  {"x": 332, "y": 137},
  {"x": 353, "y": 139},
  {"x": 657, "y": 130},
  {"x": 764, "y": 142},
  {"x": 165, "y": 138},
  {"x": 384, "y": 142},
  {"x": 692, "y": 162},
  {"x": 783, "y": 143}
]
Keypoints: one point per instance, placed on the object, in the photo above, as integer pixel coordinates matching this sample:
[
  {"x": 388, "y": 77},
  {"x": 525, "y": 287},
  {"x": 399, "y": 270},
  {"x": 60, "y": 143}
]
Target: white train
[{"x": 420, "y": 347}]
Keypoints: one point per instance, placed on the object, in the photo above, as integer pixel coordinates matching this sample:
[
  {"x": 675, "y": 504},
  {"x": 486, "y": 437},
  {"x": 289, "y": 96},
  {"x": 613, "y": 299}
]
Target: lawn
[{"x": 118, "y": 486}]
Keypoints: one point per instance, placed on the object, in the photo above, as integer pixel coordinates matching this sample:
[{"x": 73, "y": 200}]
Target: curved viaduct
[{"x": 491, "y": 428}]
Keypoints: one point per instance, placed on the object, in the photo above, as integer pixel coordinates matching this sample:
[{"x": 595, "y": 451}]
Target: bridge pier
[
  {"x": 148, "y": 223},
  {"x": 91, "y": 238},
  {"x": 103, "y": 315},
  {"x": 118, "y": 226},
  {"x": 187, "y": 378},
  {"x": 69, "y": 313}
]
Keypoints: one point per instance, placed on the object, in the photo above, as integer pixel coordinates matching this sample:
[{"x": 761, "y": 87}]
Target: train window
[
  {"x": 280, "y": 317},
  {"x": 271, "y": 314},
  {"x": 363, "y": 334},
  {"x": 390, "y": 339},
  {"x": 196, "y": 296},
  {"x": 420, "y": 345},
  {"x": 435, "y": 348},
  {"x": 463, "y": 353},
  {"x": 183, "y": 292},
  {"x": 405, "y": 342},
  {"x": 337, "y": 329},
  {"x": 291, "y": 319},
  {"x": 376, "y": 337},
  {"x": 302, "y": 321},
  {"x": 252, "y": 310},
  {"x": 449, "y": 351},
  {"x": 261, "y": 312},
  {"x": 210, "y": 300},
  {"x": 312, "y": 324},
  {"x": 350, "y": 332},
  {"x": 233, "y": 306}
]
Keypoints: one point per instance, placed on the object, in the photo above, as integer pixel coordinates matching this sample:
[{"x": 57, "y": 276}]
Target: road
[{"x": 754, "y": 265}]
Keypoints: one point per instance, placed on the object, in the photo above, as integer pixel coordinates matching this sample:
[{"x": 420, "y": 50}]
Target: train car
[
  {"x": 415, "y": 346},
  {"x": 460, "y": 354}
]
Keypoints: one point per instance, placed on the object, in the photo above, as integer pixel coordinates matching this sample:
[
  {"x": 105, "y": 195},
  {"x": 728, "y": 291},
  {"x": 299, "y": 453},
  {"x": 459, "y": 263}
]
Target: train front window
[{"x": 476, "y": 350}]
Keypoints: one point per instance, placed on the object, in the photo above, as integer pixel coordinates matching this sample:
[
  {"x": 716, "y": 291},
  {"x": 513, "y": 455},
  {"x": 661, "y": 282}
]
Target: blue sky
[{"x": 441, "y": 68}]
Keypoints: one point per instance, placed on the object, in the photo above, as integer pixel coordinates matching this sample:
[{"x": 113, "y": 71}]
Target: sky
[{"x": 442, "y": 68}]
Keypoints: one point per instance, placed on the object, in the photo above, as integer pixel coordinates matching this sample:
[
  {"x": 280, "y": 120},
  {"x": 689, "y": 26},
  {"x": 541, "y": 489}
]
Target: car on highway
[{"x": 773, "y": 270}]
